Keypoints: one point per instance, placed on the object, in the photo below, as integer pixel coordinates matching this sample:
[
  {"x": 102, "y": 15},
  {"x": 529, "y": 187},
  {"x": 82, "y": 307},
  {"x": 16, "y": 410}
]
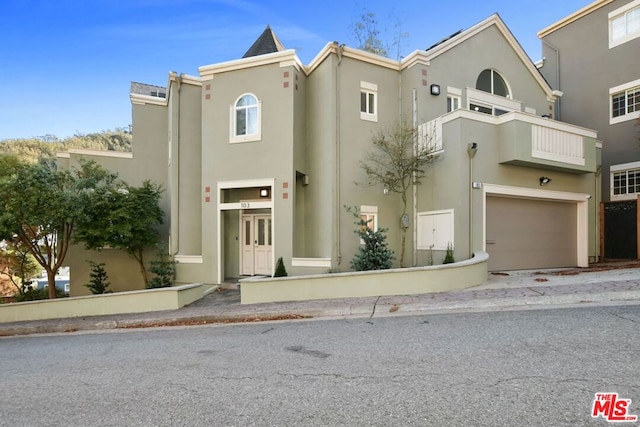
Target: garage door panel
[{"x": 530, "y": 234}]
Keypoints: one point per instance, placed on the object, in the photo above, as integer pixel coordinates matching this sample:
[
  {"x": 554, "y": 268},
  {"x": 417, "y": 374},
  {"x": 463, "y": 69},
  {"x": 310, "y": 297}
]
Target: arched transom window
[
  {"x": 491, "y": 81},
  {"x": 246, "y": 118}
]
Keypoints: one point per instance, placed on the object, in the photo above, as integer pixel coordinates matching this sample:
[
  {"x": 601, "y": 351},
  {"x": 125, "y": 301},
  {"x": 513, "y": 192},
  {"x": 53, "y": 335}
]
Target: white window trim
[
  {"x": 616, "y": 14},
  {"x": 370, "y": 88},
  {"x": 373, "y": 211},
  {"x": 615, "y": 90},
  {"x": 233, "y": 138},
  {"x": 622, "y": 167},
  {"x": 477, "y": 96}
]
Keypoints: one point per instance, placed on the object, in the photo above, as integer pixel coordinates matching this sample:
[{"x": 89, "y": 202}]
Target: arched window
[
  {"x": 246, "y": 116},
  {"x": 491, "y": 81}
]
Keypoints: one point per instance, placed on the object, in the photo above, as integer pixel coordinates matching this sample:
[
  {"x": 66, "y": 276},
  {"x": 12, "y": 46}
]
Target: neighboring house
[
  {"x": 593, "y": 57},
  {"x": 260, "y": 155}
]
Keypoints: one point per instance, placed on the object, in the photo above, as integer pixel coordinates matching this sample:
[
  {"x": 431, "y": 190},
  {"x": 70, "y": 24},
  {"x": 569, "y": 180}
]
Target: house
[
  {"x": 593, "y": 57},
  {"x": 260, "y": 155}
]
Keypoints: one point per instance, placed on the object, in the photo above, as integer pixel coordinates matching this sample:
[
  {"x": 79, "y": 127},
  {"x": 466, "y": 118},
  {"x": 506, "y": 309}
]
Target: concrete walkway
[{"x": 603, "y": 285}]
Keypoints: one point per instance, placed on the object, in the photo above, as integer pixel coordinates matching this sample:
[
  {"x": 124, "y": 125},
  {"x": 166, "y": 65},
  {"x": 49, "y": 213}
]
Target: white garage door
[{"x": 525, "y": 234}]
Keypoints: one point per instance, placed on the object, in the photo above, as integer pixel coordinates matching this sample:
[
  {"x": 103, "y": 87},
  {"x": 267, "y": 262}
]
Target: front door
[{"x": 256, "y": 245}]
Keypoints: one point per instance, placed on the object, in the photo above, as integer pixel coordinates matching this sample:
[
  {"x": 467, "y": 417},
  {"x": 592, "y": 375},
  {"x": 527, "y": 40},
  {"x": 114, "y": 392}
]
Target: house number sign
[{"x": 245, "y": 205}]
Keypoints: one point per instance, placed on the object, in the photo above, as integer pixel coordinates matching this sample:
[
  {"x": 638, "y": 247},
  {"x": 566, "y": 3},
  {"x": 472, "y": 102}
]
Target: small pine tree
[
  {"x": 448, "y": 257},
  {"x": 375, "y": 253},
  {"x": 281, "y": 271},
  {"x": 98, "y": 283},
  {"x": 164, "y": 270}
]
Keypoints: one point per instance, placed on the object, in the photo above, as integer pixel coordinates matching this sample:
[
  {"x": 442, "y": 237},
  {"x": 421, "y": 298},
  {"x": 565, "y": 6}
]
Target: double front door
[{"x": 256, "y": 245}]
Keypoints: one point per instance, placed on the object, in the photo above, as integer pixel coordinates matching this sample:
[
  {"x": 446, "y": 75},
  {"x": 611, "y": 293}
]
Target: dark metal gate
[{"x": 620, "y": 230}]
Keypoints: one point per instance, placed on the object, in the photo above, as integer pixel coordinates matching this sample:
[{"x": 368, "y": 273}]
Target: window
[
  {"x": 625, "y": 181},
  {"x": 369, "y": 101},
  {"x": 369, "y": 214},
  {"x": 245, "y": 119},
  {"x": 624, "y": 24},
  {"x": 625, "y": 102},
  {"x": 492, "y": 82},
  {"x": 453, "y": 103}
]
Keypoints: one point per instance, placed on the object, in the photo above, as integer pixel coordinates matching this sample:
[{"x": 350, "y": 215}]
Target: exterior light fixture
[
  {"x": 544, "y": 180},
  {"x": 472, "y": 149},
  {"x": 435, "y": 89},
  {"x": 264, "y": 192}
]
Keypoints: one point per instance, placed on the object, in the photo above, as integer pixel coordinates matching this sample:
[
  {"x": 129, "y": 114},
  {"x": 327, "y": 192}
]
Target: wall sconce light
[
  {"x": 544, "y": 180},
  {"x": 435, "y": 89},
  {"x": 473, "y": 148},
  {"x": 264, "y": 192}
]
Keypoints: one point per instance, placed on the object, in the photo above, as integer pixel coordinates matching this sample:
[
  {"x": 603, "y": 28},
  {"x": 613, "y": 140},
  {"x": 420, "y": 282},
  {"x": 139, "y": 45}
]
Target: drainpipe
[
  {"x": 471, "y": 151},
  {"x": 338, "y": 210},
  {"x": 174, "y": 178},
  {"x": 414, "y": 188}
]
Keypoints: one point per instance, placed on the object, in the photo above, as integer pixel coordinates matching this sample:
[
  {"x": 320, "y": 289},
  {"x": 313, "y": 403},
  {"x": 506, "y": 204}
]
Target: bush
[
  {"x": 98, "y": 283},
  {"x": 164, "y": 270},
  {"x": 374, "y": 254},
  {"x": 448, "y": 257},
  {"x": 280, "y": 270},
  {"x": 37, "y": 294}
]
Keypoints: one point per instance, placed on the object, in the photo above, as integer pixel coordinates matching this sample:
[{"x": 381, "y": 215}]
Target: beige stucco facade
[{"x": 237, "y": 201}]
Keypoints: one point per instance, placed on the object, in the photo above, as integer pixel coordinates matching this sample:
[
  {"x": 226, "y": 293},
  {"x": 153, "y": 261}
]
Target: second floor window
[
  {"x": 369, "y": 101},
  {"x": 624, "y": 24},
  {"x": 246, "y": 115},
  {"x": 624, "y": 102},
  {"x": 491, "y": 81}
]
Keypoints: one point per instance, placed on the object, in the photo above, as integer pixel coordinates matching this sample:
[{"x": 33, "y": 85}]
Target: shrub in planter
[
  {"x": 448, "y": 257},
  {"x": 281, "y": 271}
]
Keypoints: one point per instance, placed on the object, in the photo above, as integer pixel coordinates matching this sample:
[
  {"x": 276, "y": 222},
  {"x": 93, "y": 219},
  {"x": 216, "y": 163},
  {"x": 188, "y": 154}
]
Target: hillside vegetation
[{"x": 44, "y": 148}]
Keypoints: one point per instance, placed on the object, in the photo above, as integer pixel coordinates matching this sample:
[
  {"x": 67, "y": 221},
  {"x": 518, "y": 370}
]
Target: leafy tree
[
  {"x": 122, "y": 217},
  {"x": 367, "y": 34},
  {"x": 375, "y": 253},
  {"x": 40, "y": 206},
  {"x": 398, "y": 161},
  {"x": 43, "y": 149},
  {"x": 18, "y": 265},
  {"x": 366, "y": 31}
]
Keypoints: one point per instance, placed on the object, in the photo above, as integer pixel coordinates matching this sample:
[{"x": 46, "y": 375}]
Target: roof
[
  {"x": 267, "y": 43},
  {"x": 148, "y": 90},
  {"x": 573, "y": 17}
]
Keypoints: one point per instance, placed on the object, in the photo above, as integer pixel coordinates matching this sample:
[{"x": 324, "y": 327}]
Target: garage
[{"x": 523, "y": 234}]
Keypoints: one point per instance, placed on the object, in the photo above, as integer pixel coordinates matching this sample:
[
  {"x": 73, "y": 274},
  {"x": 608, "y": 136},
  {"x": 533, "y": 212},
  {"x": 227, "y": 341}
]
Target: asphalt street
[{"x": 528, "y": 367}]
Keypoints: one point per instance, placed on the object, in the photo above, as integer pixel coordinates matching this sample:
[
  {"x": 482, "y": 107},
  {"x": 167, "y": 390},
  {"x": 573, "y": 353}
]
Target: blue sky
[{"x": 66, "y": 65}]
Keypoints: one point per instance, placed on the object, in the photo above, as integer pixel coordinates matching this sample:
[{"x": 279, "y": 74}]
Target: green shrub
[
  {"x": 37, "y": 294},
  {"x": 164, "y": 270},
  {"x": 280, "y": 270},
  {"x": 375, "y": 253},
  {"x": 448, "y": 257},
  {"x": 98, "y": 283}
]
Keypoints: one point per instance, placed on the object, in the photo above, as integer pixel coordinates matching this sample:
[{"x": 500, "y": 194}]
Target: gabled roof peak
[{"x": 267, "y": 43}]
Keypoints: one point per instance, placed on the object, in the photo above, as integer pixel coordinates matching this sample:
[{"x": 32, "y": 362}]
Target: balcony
[{"x": 520, "y": 139}]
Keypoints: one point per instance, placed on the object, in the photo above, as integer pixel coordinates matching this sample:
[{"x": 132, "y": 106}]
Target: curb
[{"x": 384, "y": 308}]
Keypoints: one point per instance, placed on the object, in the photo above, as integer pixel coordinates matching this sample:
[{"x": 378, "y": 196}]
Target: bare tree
[
  {"x": 368, "y": 36},
  {"x": 398, "y": 160}
]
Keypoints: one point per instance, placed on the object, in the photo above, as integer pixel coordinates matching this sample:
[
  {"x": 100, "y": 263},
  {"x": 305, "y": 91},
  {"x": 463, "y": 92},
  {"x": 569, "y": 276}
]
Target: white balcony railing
[
  {"x": 554, "y": 144},
  {"x": 430, "y": 136}
]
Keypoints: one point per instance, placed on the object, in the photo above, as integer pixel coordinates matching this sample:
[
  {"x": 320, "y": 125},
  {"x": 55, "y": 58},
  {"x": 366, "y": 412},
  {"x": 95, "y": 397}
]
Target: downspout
[
  {"x": 337, "y": 159},
  {"x": 414, "y": 188},
  {"x": 557, "y": 51},
  {"x": 175, "y": 160}
]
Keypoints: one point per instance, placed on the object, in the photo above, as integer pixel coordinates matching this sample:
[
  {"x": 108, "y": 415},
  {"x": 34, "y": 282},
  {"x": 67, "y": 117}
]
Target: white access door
[{"x": 257, "y": 245}]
